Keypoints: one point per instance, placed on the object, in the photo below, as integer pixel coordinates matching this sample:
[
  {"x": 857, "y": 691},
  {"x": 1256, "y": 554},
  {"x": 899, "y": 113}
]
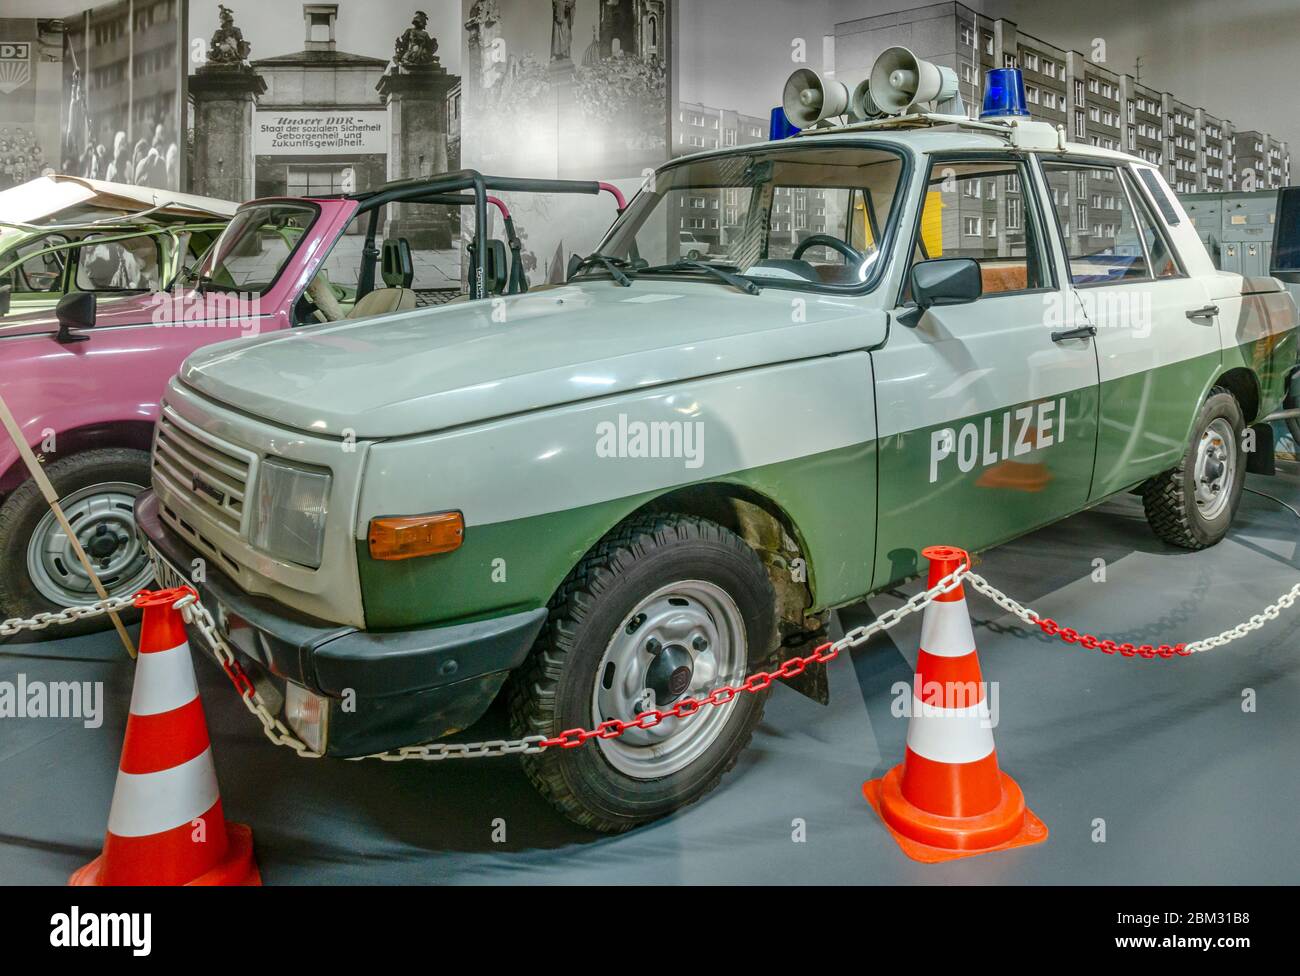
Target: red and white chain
[
  {"x": 201, "y": 620},
  {"x": 198, "y": 617},
  {"x": 16, "y": 625},
  {"x": 1070, "y": 636}
]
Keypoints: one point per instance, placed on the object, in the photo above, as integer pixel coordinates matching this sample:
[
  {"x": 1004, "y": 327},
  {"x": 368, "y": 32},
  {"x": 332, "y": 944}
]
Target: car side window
[
  {"x": 1164, "y": 262},
  {"x": 130, "y": 264},
  {"x": 984, "y": 210},
  {"x": 43, "y": 270},
  {"x": 1103, "y": 241}
]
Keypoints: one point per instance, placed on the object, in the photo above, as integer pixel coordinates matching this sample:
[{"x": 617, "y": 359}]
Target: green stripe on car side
[
  {"x": 1144, "y": 425},
  {"x": 518, "y": 564}
]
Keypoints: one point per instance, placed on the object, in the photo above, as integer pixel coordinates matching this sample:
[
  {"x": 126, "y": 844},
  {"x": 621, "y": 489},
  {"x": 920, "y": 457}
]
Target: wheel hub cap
[
  {"x": 670, "y": 673},
  {"x": 681, "y": 641},
  {"x": 101, "y": 517},
  {"x": 1216, "y": 466}
]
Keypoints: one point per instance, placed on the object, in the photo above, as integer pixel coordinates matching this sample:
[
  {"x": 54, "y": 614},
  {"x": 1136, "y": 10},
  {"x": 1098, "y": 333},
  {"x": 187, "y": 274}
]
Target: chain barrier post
[{"x": 948, "y": 798}]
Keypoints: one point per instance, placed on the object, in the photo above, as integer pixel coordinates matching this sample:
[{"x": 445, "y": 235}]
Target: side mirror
[
  {"x": 75, "y": 310},
  {"x": 6, "y": 296},
  {"x": 946, "y": 281},
  {"x": 575, "y": 262}
]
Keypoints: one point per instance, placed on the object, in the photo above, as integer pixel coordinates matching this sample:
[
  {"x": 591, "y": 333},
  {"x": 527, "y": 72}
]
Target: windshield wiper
[
  {"x": 747, "y": 285},
  {"x": 614, "y": 266}
]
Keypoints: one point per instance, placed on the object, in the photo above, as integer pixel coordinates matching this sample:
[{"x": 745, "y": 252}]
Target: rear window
[{"x": 1106, "y": 240}]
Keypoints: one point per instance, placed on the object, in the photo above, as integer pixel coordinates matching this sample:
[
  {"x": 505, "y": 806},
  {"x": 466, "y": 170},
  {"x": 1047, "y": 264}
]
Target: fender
[{"x": 86, "y": 429}]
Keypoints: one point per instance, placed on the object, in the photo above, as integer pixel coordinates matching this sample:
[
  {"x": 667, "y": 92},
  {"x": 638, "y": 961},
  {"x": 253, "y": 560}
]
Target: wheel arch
[
  {"x": 767, "y": 528},
  {"x": 1244, "y": 385},
  {"x": 133, "y": 434}
]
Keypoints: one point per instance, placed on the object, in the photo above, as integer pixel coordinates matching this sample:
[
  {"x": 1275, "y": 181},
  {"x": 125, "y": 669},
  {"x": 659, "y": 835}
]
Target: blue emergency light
[
  {"x": 1004, "y": 94},
  {"x": 781, "y": 128}
]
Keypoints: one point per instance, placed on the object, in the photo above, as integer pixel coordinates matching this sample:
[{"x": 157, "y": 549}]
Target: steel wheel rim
[
  {"x": 100, "y": 515},
  {"x": 678, "y": 616},
  {"x": 1216, "y": 468}
]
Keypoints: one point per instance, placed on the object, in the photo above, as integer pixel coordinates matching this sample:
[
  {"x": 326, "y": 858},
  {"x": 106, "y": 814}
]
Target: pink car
[{"x": 84, "y": 383}]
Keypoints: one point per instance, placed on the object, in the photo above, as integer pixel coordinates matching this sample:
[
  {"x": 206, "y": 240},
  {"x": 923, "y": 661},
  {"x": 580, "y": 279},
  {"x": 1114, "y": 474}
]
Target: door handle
[
  {"x": 1204, "y": 312},
  {"x": 1082, "y": 332}
]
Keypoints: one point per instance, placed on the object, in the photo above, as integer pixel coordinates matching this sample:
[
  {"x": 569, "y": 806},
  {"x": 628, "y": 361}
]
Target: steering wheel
[{"x": 851, "y": 254}]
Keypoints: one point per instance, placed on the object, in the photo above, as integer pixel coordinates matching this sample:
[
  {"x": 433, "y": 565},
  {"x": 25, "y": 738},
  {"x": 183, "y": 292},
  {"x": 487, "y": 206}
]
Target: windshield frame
[
  {"x": 193, "y": 278},
  {"x": 888, "y": 239}
]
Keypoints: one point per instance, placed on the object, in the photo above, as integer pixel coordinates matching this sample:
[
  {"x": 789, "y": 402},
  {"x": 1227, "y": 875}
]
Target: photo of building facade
[
  {"x": 1098, "y": 106},
  {"x": 107, "y": 78}
]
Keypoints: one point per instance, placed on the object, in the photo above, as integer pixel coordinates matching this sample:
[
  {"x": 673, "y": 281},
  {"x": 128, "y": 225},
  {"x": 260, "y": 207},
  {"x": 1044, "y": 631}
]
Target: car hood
[{"x": 433, "y": 368}]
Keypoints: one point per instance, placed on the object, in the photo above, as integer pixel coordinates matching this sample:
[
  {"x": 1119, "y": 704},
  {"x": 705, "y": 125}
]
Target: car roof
[
  {"x": 924, "y": 140},
  {"x": 47, "y": 196}
]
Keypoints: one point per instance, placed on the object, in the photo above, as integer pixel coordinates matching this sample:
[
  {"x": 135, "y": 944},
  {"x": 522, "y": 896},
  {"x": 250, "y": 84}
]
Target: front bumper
[{"x": 403, "y": 687}]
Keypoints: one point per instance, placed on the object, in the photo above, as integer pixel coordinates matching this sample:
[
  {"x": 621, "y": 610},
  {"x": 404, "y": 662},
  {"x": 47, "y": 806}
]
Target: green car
[
  {"x": 62, "y": 234},
  {"x": 599, "y": 497}
]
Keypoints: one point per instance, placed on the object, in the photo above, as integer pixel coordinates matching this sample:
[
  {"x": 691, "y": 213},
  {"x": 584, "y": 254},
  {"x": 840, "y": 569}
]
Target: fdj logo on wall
[
  {"x": 15, "y": 65},
  {"x": 300, "y": 133}
]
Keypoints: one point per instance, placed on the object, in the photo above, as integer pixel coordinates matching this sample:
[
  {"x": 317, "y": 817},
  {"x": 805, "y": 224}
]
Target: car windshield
[
  {"x": 254, "y": 247},
  {"x": 785, "y": 216}
]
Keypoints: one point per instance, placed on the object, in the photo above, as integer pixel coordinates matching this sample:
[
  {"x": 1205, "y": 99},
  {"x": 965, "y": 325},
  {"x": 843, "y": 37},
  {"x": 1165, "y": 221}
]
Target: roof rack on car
[
  {"x": 1021, "y": 133},
  {"x": 907, "y": 92}
]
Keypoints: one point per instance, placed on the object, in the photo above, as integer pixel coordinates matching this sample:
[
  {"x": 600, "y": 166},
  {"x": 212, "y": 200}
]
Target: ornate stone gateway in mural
[{"x": 323, "y": 120}]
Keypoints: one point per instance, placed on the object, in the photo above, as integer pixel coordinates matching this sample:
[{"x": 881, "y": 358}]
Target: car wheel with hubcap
[
  {"x": 39, "y": 570},
  {"x": 1193, "y": 505},
  {"x": 665, "y": 608}
]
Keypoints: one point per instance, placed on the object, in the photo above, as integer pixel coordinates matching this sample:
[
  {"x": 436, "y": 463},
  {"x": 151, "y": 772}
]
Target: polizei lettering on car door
[{"x": 1019, "y": 430}]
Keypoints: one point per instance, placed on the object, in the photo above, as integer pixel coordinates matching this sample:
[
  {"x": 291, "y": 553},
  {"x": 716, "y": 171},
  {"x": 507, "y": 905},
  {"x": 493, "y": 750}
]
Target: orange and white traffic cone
[
  {"x": 166, "y": 826},
  {"x": 948, "y": 798}
]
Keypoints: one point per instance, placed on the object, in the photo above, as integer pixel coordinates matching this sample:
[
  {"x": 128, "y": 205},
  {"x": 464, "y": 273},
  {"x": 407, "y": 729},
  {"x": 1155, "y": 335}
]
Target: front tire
[
  {"x": 38, "y": 569},
  {"x": 667, "y": 606},
  {"x": 1193, "y": 505}
]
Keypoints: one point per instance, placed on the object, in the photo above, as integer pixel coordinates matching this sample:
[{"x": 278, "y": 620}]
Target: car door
[
  {"x": 987, "y": 410},
  {"x": 1157, "y": 335}
]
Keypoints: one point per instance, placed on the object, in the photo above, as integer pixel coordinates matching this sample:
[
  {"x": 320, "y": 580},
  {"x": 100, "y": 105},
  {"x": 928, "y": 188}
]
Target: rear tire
[
  {"x": 1182, "y": 505},
  {"x": 97, "y": 485},
  {"x": 613, "y": 607}
]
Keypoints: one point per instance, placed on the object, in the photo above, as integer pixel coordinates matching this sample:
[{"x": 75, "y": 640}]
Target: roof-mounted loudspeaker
[
  {"x": 809, "y": 98},
  {"x": 900, "y": 81}
]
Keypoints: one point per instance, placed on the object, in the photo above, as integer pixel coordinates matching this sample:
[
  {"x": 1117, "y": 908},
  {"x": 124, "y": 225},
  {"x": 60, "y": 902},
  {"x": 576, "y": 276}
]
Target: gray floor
[{"x": 1190, "y": 787}]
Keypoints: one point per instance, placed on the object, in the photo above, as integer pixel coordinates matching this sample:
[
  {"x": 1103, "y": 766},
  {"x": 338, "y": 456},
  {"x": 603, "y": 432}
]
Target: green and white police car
[{"x": 600, "y": 496}]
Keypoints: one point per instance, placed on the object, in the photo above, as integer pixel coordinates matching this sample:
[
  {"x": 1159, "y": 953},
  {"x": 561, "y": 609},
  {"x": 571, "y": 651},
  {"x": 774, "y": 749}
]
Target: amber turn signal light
[{"x": 406, "y": 537}]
